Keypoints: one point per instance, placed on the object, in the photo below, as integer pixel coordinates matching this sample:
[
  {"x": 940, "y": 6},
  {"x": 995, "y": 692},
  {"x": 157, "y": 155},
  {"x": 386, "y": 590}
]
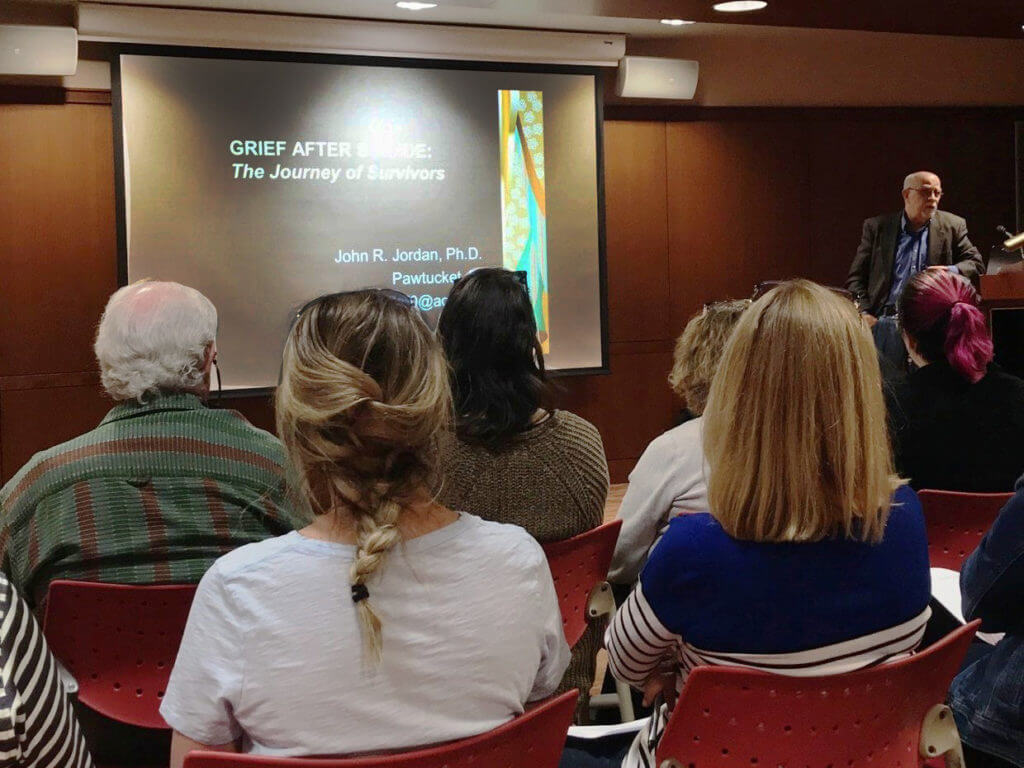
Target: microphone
[{"x": 1007, "y": 234}]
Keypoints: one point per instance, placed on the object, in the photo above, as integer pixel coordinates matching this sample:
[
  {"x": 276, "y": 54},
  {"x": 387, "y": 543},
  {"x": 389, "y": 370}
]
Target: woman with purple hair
[{"x": 957, "y": 419}]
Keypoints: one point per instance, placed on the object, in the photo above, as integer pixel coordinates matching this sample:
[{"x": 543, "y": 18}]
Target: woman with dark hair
[
  {"x": 490, "y": 336},
  {"x": 512, "y": 457},
  {"x": 957, "y": 419}
]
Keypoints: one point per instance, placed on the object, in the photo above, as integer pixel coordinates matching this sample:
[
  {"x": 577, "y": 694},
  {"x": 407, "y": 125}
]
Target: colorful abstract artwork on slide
[{"x": 523, "y": 221}]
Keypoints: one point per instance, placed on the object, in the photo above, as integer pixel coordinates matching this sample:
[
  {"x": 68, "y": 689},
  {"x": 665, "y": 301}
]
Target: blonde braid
[
  {"x": 363, "y": 396},
  {"x": 376, "y": 534}
]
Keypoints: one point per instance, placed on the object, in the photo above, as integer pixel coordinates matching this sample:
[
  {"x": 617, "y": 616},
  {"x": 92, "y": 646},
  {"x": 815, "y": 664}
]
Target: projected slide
[{"x": 266, "y": 182}]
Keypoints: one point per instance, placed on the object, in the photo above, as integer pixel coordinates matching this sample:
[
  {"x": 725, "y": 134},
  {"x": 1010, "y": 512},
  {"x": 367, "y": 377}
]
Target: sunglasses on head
[{"x": 390, "y": 293}]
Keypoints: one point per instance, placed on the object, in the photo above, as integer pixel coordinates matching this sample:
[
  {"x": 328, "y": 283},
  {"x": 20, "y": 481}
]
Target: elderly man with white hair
[
  {"x": 896, "y": 246},
  {"x": 164, "y": 485}
]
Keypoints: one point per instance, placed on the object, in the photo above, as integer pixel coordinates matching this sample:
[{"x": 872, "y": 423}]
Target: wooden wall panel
[
  {"x": 636, "y": 227},
  {"x": 630, "y": 407},
  {"x": 737, "y": 205},
  {"x": 258, "y": 410},
  {"x": 57, "y": 237},
  {"x": 36, "y": 419},
  {"x": 757, "y": 64},
  {"x": 633, "y": 404}
]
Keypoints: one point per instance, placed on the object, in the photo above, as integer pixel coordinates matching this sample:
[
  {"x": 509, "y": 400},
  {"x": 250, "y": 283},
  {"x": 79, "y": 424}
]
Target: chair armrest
[
  {"x": 939, "y": 736},
  {"x": 601, "y": 601},
  {"x": 70, "y": 684}
]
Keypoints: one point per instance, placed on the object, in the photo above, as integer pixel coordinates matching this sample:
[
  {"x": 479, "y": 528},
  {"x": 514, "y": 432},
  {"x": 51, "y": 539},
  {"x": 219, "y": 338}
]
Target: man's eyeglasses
[
  {"x": 220, "y": 381},
  {"x": 928, "y": 191}
]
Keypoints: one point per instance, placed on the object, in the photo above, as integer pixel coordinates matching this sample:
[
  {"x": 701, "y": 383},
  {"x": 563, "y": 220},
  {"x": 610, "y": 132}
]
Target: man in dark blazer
[{"x": 895, "y": 246}]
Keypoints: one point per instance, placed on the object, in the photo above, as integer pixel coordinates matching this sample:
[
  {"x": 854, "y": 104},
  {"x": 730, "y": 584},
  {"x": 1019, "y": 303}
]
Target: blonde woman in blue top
[{"x": 813, "y": 558}]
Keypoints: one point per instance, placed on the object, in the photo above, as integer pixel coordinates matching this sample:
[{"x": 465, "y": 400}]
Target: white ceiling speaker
[
  {"x": 650, "y": 77},
  {"x": 30, "y": 50}
]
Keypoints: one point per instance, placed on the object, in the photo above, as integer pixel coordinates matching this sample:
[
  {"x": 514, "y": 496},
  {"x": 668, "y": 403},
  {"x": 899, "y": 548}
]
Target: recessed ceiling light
[
  {"x": 676, "y": 22},
  {"x": 416, "y": 6},
  {"x": 738, "y": 6}
]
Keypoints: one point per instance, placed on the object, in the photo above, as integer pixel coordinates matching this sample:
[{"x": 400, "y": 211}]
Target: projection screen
[{"x": 264, "y": 182}]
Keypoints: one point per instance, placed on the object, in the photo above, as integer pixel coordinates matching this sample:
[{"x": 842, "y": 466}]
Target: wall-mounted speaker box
[
  {"x": 650, "y": 77},
  {"x": 30, "y": 50}
]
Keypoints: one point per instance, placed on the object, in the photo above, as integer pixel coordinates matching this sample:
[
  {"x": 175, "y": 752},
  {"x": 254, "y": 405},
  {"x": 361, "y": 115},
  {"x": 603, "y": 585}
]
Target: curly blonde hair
[
  {"x": 364, "y": 395},
  {"x": 698, "y": 350}
]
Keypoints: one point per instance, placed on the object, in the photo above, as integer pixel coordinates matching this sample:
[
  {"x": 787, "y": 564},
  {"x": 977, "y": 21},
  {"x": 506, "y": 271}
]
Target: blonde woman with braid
[{"x": 390, "y": 621}]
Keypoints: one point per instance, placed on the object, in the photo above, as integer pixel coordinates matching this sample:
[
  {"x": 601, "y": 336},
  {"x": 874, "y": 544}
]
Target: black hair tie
[{"x": 359, "y": 592}]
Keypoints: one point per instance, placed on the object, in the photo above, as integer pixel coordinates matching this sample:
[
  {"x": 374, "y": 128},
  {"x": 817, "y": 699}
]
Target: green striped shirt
[{"x": 153, "y": 495}]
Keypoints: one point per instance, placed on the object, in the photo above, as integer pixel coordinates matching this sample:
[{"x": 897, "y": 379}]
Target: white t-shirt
[
  {"x": 273, "y": 650},
  {"x": 669, "y": 479}
]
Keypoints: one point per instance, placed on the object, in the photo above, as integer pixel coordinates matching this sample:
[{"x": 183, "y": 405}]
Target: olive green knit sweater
[{"x": 553, "y": 481}]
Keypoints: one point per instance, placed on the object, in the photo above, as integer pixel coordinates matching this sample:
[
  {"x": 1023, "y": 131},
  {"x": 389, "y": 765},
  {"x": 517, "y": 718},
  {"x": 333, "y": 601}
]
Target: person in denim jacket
[{"x": 987, "y": 697}]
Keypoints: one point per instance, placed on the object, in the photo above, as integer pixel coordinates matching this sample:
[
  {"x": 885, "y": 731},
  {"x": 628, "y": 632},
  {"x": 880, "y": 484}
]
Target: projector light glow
[
  {"x": 676, "y": 22},
  {"x": 740, "y": 6},
  {"x": 416, "y": 6}
]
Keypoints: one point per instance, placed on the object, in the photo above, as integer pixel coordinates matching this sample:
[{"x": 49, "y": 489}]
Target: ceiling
[{"x": 640, "y": 18}]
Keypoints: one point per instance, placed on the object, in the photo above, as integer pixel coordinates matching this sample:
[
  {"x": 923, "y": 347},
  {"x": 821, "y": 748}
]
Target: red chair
[
  {"x": 119, "y": 642},
  {"x": 533, "y": 739},
  {"x": 579, "y": 566},
  {"x": 956, "y": 522},
  {"x": 887, "y": 716}
]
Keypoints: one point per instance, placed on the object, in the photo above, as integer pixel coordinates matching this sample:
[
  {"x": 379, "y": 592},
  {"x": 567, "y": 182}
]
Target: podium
[
  {"x": 1004, "y": 289},
  {"x": 1002, "y": 301}
]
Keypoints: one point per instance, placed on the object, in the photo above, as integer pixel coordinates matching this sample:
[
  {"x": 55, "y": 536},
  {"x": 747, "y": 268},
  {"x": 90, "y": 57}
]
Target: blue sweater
[
  {"x": 815, "y": 608},
  {"x": 722, "y": 594}
]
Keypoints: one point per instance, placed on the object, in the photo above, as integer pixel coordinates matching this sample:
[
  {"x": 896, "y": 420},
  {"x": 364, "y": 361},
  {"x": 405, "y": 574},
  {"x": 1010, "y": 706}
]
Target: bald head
[
  {"x": 155, "y": 337},
  {"x": 919, "y": 178},
  {"x": 922, "y": 191}
]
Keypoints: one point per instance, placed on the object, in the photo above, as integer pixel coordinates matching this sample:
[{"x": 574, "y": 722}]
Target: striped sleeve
[
  {"x": 37, "y": 725},
  {"x": 637, "y": 641},
  {"x": 881, "y": 647}
]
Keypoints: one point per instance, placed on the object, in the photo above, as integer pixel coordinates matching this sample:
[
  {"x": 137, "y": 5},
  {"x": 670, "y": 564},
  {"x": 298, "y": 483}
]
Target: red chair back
[
  {"x": 956, "y": 522},
  {"x": 871, "y": 718},
  {"x": 534, "y": 739},
  {"x": 577, "y": 566},
  {"x": 119, "y": 642}
]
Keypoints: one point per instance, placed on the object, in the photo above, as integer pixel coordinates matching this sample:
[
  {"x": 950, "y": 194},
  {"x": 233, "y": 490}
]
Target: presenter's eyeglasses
[{"x": 935, "y": 192}]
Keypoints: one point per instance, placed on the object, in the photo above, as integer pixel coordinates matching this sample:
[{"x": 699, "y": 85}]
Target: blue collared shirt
[{"x": 911, "y": 258}]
